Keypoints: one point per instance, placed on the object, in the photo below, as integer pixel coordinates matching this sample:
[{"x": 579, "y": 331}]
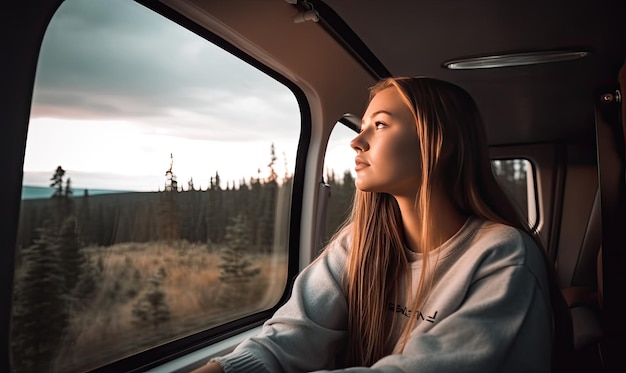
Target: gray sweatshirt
[{"x": 488, "y": 312}]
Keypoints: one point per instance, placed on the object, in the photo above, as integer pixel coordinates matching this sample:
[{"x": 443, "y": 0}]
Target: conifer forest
[{"x": 103, "y": 276}]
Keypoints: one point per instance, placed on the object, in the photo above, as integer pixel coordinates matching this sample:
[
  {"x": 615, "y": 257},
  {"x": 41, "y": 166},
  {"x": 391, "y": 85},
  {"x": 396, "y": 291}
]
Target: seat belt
[
  {"x": 610, "y": 137},
  {"x": 619, "y": 99}
]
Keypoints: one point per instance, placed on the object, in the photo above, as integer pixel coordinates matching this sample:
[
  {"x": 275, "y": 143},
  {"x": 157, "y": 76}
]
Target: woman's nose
[{"x": 359, "y": 144}]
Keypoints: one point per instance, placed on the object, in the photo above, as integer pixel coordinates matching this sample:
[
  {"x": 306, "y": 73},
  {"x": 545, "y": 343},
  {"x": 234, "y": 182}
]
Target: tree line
[{"x": 198, "y": 216}]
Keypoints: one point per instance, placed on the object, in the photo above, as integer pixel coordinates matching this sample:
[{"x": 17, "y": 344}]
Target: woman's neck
[{"x": 445, "y": 220}]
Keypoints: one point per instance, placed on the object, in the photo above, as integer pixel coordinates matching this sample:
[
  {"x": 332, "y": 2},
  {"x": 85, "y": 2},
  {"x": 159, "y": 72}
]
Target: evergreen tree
[
  {"x": 68, "y": 188},
  {"x": 254, "y": 210},
  {"x": 273, "y": 176},
  {"x": 70, "y": 254},
  {"x": 152, "y": 308},
  {"x": 169, "y": 216},
  {"x": 339, "y": 206},
  {"x": 266, "y": 216},
  {"x": 218, "y": 182},
  {"x": 235, "y": 266},
  {"x": 84, "y": 222},
  {"x": 57, "y": 181},
  {"x": 91, "y": 276},
  {"x": 40, "y": 317},
  {"x": 215, "y": 213},
  {"x": 280, "y": 240},
  {"x": 171, "y": 183},
  {"x": 265, "y": 203},
  {"x": 63, "y": 204}
]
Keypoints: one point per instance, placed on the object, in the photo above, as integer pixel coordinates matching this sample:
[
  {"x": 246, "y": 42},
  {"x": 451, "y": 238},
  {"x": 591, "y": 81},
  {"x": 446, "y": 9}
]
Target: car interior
[{"x": 547, "y": 77}]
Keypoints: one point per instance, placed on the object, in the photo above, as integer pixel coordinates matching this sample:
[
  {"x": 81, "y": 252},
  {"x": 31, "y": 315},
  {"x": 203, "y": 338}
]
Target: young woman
[{"x": 435, "y": 271}]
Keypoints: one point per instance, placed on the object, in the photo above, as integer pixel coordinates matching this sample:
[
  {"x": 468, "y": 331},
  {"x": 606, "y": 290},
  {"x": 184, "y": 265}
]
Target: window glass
[
  {"x": 516, "y": 178},
  {"x": 339, "y": 175},
  {"x": 157, "y": 185}
]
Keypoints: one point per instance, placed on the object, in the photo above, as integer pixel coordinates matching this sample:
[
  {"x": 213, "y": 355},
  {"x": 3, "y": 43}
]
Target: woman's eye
[{"x": 379, "y": 125}]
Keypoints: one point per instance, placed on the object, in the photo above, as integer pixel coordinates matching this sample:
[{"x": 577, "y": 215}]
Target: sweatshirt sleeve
[
  {"x": 308, "y": 331},
  {"x": 502, "y": 324}
]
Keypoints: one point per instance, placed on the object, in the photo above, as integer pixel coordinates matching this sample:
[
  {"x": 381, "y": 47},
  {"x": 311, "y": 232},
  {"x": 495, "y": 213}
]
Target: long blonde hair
[{"x": 453, "y": 149}]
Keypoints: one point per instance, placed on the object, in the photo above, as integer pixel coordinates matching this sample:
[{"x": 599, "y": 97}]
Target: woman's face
[{"x": 388, "y": 150}]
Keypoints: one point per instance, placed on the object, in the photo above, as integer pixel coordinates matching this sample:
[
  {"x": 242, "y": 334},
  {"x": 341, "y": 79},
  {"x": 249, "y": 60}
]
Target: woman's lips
[{"x": 360, "y": 163}]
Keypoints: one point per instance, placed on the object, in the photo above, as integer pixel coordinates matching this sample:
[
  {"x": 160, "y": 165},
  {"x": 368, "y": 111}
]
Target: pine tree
[
  {"x": 169, "y": 229},
  {"x": 85, "y": 224},
  {"x": 152, "y": 308},
  {"x": 91, "y": 276},
  {"x": 70, "y": 254},
  {"x": 265, "y": 214},
  {"x": 218, "y": 181},
  {"x": 63, "y": 203},
  {"x": 171, "y": 183},
  {"x": 236, "y": 269},
  {"x": 68, "y": 188},
  {"x": 40, "y": 312},
  {"x": 215, "y": 213},
  {"x": 273, "y": 176},
  {"x": 57, "y": 181},
  {"x": 339, "y": 206}
]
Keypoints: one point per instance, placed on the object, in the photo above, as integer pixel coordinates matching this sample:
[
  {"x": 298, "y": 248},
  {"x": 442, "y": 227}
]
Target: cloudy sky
[{"x": 120, "y": 88}]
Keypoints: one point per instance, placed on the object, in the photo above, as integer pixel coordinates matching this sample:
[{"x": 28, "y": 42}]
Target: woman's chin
[{"x": 365, "y": 187}]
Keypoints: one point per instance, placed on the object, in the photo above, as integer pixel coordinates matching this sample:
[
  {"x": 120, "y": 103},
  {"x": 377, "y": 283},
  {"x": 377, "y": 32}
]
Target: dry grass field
[{"x": 106, "y": 328}]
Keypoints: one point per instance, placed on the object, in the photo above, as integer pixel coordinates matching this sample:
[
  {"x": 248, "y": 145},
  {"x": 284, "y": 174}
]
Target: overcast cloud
[
  {"x": 115, "y": 59},
  {"x": 119, "y": 88}
]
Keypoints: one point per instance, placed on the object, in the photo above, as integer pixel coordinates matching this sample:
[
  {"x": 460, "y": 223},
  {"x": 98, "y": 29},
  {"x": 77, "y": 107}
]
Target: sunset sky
[{"x": 120, "y": 88}]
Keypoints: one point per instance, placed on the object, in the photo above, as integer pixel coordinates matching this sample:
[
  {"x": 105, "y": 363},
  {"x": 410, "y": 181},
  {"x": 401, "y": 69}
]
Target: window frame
[
  {"x": 535, "y": 188},
  {"x": 29, "y": 21},
  {"x": 548, "y": 167},
  {"x": 37, "y": 24}
]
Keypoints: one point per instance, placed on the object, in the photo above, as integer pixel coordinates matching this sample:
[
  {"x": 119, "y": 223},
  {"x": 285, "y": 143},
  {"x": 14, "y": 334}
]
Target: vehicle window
[
  {"x": 157, "y": 187},
  {"x": 516, "y": 176},
  {"x": 339, "y": 174}
]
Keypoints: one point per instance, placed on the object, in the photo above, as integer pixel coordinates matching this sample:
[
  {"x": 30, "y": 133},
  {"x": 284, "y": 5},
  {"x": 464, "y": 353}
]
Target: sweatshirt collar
[{"x": 465, "y": 230}]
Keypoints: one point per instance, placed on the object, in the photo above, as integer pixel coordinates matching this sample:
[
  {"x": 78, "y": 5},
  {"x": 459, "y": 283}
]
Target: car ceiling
[
  {"x": 525, "y": 104},
  {"x": 551, "y": 102}
]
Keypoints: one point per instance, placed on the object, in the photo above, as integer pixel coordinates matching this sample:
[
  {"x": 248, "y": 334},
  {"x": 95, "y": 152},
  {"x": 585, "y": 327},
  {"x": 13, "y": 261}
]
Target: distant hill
[{"x": 35, "y": 192}]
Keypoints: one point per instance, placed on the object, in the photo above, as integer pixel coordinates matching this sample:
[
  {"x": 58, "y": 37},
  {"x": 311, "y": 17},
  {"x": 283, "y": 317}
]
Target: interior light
[{"x": 514, "y": 59}]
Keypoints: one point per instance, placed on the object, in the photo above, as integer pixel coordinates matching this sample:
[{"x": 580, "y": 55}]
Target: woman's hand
[{"x": 211, "y": 367}]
